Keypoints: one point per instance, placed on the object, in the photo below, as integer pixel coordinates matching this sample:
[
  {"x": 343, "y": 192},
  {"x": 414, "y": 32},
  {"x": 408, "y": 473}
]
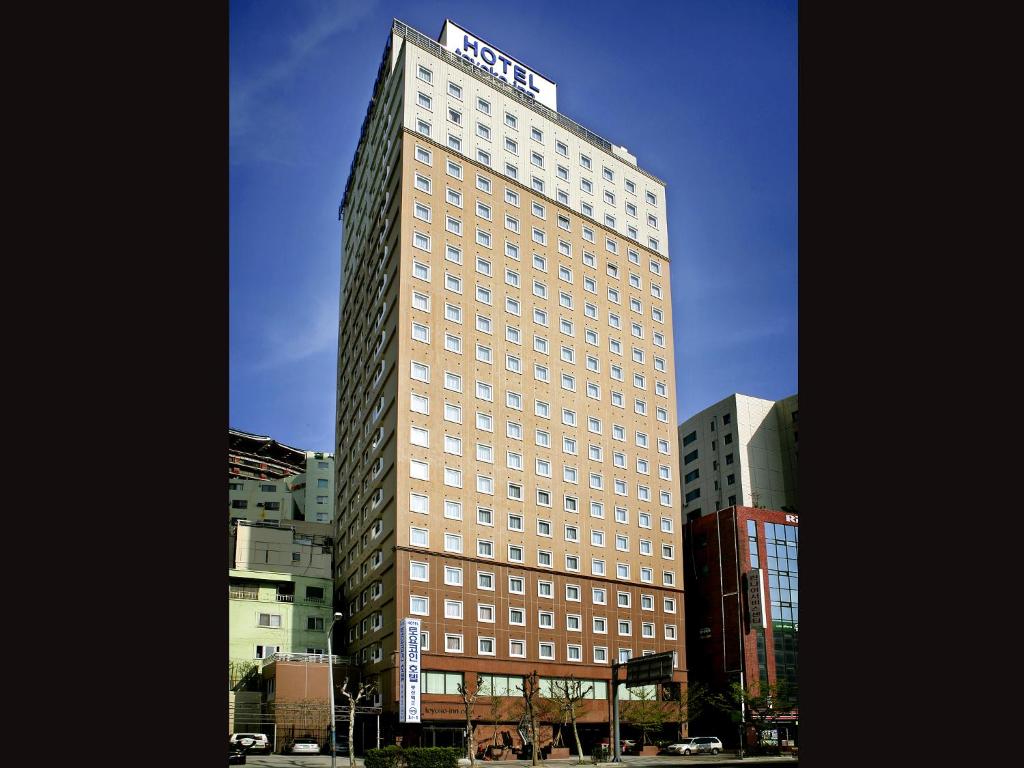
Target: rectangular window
[
  {"x": 268, "y": 620},
  {"x": 419, "y": 606},
  {"x": 419, "y": 571}
]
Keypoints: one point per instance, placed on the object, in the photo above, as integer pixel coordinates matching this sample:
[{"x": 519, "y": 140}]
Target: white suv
[
  {"x": 705, "y": 744},
  {"x": 251, "y": 741}
]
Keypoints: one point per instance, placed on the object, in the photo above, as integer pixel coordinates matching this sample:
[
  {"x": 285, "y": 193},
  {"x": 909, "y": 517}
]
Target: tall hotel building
[{"x": 507, "y": 460}]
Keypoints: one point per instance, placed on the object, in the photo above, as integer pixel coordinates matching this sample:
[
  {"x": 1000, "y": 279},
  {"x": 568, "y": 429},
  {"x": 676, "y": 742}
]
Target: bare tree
[
  {"x": 496, "y": 706},
  {"x": 569, "y": 694},
  {"x": 365, "y": 690},
  {"x": 468, "y": 700},
  {"x": 530, "y": 690}
]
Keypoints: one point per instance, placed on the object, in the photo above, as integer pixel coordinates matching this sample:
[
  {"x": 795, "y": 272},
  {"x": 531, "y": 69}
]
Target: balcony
[
  {"x": 242, "y": 593},
  {"x": 285, "y": 598}
]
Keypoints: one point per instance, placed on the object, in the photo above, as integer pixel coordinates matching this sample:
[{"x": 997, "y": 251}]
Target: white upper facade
[{"x": 482, "y": 122}]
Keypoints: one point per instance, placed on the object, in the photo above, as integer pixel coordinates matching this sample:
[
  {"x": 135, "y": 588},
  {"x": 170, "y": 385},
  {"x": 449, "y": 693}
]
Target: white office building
[{"x": 742, "y": 451}]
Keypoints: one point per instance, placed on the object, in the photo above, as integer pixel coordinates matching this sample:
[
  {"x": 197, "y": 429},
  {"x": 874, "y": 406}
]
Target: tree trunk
[
  {"x": 471, "y": 747},
  {"x": 533, "y": 735},
  {"x": 575, "y": 733},
  {"x": 351, "y": 733}
]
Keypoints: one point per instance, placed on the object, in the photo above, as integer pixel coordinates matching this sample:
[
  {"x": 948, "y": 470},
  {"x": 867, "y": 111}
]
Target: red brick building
[{"x": 741, "y": 579}]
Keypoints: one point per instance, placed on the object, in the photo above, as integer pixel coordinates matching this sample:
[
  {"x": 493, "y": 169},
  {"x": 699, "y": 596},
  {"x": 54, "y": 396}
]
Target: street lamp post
[{"x": 330, "y": 685}]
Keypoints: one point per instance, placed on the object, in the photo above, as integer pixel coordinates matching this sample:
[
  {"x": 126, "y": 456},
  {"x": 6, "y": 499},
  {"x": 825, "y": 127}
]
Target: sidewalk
[{"x": 729, "y": 758}]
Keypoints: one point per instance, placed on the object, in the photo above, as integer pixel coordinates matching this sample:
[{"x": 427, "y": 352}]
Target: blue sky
[{"x": 704, "y": 93}]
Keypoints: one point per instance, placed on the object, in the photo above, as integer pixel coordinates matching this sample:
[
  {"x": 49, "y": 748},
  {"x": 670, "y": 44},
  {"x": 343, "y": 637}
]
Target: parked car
[
  {"x": 304, "y": 746},
  {"x": 703, "y": 744},
  {"x": 682, "y": 747},
  {"x": 253, "y": 742}
]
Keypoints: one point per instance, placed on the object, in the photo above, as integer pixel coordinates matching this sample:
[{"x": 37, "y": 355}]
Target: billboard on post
[{"x": 645, "y": 670}]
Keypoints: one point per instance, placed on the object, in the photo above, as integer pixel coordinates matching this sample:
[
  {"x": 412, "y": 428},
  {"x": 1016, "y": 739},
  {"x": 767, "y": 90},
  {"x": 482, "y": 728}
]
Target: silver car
[
  {"x": 304, "y": 746},
  {"x": 704, "y": 744},
  {"x": 683, "y": 747}
]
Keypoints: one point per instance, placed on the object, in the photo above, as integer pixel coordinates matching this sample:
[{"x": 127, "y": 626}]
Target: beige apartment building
[{"x": 507, "y": 459}]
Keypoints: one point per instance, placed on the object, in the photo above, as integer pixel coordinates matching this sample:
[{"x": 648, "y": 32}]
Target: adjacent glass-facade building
[{"x": 730, "y": 633}]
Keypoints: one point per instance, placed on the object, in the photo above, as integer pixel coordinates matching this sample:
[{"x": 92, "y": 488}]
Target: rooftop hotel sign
[{"x": 483, "y": 55}]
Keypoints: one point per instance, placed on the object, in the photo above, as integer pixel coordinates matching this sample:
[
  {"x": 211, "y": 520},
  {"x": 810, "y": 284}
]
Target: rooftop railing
[
  {"x": 305, "y": 658},
  {"x": 419, "y": 39}
]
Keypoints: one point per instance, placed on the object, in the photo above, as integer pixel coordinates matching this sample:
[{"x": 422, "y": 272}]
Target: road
[{"x": 656, "y": 761}]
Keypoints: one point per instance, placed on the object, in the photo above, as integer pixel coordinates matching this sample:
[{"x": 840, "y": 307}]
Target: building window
[{"x": 419, "y": 606}]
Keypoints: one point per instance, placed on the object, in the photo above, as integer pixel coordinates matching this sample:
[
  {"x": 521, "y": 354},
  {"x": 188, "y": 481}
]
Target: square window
[
  {"x": 419, "y": 571},
  {"x": 419, "y": 606}
]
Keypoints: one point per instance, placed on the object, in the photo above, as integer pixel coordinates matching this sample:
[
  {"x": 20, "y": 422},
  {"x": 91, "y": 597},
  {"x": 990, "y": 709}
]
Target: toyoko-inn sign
[
  {"x": 481, "y": 54},
  {"x": 409, "y": 672}
]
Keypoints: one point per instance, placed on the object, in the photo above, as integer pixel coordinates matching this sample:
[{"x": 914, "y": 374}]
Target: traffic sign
[{"x": 645, "y": 670}]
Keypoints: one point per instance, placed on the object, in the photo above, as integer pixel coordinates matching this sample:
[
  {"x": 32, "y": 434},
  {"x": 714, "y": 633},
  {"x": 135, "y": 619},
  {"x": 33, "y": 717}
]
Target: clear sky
[{"x": 703, "y": 92}]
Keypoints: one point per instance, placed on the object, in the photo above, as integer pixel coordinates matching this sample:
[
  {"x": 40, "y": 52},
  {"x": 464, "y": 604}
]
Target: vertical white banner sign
[{"x": 409, "y": 671}]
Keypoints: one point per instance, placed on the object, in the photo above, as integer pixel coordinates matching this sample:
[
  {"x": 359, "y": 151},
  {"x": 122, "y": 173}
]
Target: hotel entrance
[{"x": 438, "y": 736}]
